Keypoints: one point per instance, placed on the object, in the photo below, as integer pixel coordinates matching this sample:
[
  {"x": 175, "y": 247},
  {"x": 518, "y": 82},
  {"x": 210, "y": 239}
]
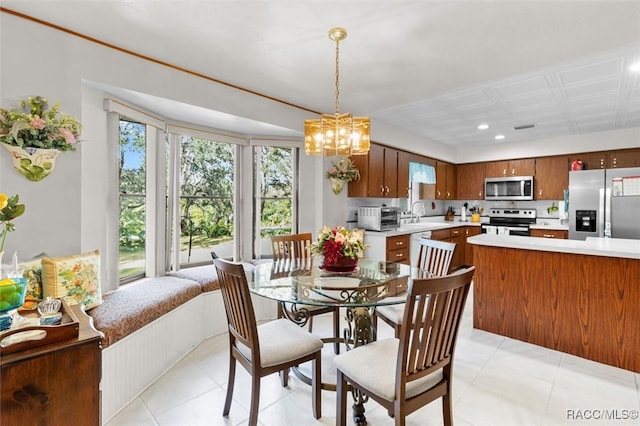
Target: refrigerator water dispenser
[{"x": 586, "y": 220}]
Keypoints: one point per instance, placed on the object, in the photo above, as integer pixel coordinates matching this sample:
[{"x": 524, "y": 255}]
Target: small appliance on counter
[{"x": 383, "y": 218}]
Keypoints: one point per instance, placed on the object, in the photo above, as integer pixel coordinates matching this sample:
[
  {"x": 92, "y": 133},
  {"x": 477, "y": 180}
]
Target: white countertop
[
  {"x": 435, "y": 223},
  {"x": 609, "y": 247},
  {"x": 414, "y": 228}
]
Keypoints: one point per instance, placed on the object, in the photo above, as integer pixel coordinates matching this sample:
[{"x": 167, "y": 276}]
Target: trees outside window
[
  {"x": 274, "y": 187},
  {"x": 177, "y": 200},
  {"x": 132, "y": 179},
  {"x": 206, "y": 200}
]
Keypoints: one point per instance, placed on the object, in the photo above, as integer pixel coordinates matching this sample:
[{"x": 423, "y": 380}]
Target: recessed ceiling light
[
  {"x": 499, "y": 137},
  {"x": 483, "y": 126},
  {"x": 635, "y": 67}
]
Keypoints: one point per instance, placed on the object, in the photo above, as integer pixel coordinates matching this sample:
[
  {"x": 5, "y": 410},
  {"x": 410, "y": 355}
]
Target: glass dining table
[{"x": 299, "y": 284}]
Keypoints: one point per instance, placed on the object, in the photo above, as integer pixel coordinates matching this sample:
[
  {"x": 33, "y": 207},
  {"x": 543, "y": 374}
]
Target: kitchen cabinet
[
  {"x": 623, "y": 158},
  {"x": 470, "y": 181},
  {"x": 446, "y": 181},
  {"x": 609, "y": 159},
  {"x": 398, "y": 248},
  {"x": 551, "y": 177},
  {"x": 378, "y": 173},
  {"x": 458, "y": 238},
  {"x": 522, "y": 167},
  {"x": 550, "y": 233},
  {"x": 469, "y": 231},
  {"x": 403, "y": 174},
  {"x": 54, "y": 384}
]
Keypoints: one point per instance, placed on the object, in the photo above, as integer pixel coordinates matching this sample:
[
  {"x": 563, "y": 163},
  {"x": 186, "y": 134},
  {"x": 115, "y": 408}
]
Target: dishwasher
[{"x": 414, "y": 246}]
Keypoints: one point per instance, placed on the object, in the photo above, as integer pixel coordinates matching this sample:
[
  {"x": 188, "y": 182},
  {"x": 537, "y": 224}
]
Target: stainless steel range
[{"x": 505, "y": 221}]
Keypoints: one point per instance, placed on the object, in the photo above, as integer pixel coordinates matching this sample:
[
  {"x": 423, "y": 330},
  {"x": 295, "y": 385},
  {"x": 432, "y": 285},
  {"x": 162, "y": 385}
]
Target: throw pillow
[{"x": 75, "y": 278}]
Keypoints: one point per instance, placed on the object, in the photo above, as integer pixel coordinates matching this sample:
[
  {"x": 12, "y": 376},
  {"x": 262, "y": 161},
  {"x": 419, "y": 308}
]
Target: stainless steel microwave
[
  {"x": 379, "y": 218},
  {"x": 513, "y": 188}
]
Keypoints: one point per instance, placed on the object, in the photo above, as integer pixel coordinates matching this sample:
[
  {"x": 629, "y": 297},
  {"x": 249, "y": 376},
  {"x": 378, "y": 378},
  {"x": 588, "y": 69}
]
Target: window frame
[
  {"x": 162, "y": 215},
  {"x": 256, "y": 144}
]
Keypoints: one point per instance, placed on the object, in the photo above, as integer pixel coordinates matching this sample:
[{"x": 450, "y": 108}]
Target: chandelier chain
[{"x": 337, "y": 76}]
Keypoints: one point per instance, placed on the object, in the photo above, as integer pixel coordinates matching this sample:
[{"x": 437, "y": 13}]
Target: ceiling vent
[{"x": 525, "y": 126}]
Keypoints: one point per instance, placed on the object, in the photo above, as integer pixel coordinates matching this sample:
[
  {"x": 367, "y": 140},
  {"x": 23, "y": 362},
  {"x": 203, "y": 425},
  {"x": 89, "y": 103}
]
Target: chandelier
[{"x": 337, "y": 134}]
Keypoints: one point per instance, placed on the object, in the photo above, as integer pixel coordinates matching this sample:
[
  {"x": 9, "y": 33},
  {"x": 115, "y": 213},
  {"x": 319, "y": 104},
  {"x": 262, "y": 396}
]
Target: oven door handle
[{"x": 518, "y": 228}]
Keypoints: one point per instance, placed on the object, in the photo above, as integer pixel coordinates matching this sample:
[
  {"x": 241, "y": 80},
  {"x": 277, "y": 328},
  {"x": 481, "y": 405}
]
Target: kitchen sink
[{"x": 420, "y": 226}]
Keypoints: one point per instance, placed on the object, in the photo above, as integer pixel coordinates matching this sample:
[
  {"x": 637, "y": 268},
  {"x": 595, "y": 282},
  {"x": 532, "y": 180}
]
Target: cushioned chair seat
[
  {"x": 133, "y": 306},
  {"x": 392, "y": 312},
  {"x": 381, "y": 357},
  {"x": 279, "y": 339}
]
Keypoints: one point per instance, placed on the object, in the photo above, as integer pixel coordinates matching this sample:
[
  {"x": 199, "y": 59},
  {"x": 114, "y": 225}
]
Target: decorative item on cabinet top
[{"x": 34, "y": 135}]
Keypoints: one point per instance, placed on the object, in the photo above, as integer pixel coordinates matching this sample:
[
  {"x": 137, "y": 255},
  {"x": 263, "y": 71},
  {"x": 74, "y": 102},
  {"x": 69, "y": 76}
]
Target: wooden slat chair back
[
  {"x": 422, "y": 365},
  {"x": 434, "y": 258},
  {"x": 294, "y": 246},
  {"x": 296, "y": 249}
]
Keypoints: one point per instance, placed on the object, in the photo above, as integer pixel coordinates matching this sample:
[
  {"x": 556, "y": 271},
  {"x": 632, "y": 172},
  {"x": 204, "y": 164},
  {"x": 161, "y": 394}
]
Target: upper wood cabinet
[
  {"x": 470, "y": 181},
  {"x": 403, "y": 174},
  {"x": 623, "y": 158},
  {"x": 522, "y": 167},
  {"x": 551, "y": 177},
  {"x": 378, "y": 173},
  {"x": 446, "y": 181},
  {"x": 608, "y": 159}
]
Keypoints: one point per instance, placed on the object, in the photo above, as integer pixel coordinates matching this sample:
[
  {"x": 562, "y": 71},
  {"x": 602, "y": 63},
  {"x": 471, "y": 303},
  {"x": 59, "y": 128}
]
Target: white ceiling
[{"x": 435, "y": 68}]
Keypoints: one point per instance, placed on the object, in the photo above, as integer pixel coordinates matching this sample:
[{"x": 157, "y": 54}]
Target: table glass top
[{"x": 302, "y": 281}]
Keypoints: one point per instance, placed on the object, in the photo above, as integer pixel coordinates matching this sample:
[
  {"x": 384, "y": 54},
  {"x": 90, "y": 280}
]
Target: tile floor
[{"x": 497, "y": 381}]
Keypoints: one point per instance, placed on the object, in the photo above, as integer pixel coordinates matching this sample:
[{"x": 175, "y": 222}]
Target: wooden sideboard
[{"x": 56, "y": 384}]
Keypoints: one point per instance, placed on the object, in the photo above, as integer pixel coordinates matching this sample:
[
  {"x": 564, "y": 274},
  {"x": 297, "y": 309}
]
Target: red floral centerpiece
[{"x": 340, "y": 248}]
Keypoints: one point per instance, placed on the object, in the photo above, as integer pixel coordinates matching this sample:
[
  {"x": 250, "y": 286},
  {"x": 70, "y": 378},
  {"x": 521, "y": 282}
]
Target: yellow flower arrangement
[{"x": 9, "y": 210}]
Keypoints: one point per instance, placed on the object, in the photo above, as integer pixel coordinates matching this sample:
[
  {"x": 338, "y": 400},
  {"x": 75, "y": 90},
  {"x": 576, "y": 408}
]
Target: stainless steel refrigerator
[{"x": 604, "y": 203}]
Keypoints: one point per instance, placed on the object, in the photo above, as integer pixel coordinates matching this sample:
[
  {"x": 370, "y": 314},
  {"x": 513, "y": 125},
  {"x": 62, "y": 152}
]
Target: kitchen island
[{"x": 578, "y": 297}]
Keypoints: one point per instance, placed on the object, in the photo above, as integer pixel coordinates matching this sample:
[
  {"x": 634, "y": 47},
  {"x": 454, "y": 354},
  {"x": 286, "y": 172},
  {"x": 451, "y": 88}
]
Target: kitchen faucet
[{"x": 417, "y": 219}]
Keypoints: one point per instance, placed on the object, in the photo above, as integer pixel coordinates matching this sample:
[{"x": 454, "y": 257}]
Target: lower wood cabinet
[
  {"x": 56, "y": 384},
  {"x": 398, "y": 248},
  {"x": 469, "y": 231}
]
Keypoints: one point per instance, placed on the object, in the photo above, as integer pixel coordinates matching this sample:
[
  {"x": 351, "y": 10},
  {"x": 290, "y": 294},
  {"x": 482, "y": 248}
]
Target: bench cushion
[
  {"x": 133, "y": 306},
  {"x": 204, "y": 275}
]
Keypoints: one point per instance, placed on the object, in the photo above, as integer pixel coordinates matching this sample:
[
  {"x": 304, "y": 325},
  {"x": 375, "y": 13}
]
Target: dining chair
[
  {"x": 416, "y": 368},
  {"x": 264, "y": 349},
  {"x": 434, "y": 258},
  {"x": 298, "y": 246}
]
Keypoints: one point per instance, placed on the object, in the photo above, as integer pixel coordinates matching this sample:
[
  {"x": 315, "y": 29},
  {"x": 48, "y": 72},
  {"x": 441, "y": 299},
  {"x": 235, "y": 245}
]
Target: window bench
[
  {"x": 134, "y": 306},
  {"x": 151, "y": 324}
]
